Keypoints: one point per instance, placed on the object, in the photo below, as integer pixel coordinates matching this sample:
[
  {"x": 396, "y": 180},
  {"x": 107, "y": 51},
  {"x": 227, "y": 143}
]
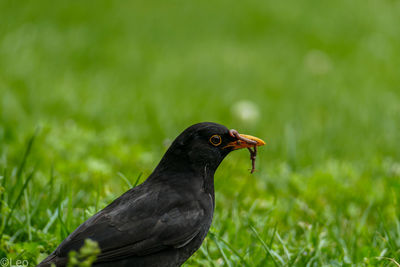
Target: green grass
[{"x": 91, "y": 93}]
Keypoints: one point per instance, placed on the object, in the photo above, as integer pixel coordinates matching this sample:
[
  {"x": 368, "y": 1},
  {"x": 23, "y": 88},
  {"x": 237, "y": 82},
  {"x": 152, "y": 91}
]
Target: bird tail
[{"x": 52, "y": 259}]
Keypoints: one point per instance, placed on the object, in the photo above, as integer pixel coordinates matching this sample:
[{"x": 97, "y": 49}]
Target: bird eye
[{"x": 215, "y": 140}]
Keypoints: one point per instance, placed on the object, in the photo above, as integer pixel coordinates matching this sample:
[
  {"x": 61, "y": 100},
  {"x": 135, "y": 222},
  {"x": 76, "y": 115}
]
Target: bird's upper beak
[{"x": 245, "y": 141}]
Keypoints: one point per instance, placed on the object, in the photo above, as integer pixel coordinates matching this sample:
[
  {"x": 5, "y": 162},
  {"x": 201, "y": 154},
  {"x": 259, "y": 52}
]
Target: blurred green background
[{"x": 107, "y": 85}]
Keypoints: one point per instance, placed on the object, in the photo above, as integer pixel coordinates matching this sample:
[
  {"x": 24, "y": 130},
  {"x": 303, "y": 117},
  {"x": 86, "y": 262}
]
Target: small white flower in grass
[
  {"x": 246, "y": 110},
  {"x": 317, "y": 62},
  {"x": 98, "y": 165},
  {"x": 396, "y": 169},
  {"x": 392, "y": 167}
]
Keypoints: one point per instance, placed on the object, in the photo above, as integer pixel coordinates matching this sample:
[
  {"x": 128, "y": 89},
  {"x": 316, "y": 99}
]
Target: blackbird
[{"x": 164, "y": 220}]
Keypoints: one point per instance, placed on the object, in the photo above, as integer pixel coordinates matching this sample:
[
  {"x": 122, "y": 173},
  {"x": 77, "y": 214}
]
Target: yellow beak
[{"x": 250, "y": 142}]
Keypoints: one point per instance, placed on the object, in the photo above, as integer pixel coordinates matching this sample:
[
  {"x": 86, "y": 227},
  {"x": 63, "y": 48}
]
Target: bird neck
[
  {"x": 177, "y": 160},
  {"x": 181, "y": 167},
  {"x": 208, "y": 182}
]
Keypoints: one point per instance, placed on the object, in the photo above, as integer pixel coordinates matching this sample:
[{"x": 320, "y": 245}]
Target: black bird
[{"x": 164, "y": 220}]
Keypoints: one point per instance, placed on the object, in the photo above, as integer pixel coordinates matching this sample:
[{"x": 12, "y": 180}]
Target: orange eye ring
[{"x": 215, "y": 140}]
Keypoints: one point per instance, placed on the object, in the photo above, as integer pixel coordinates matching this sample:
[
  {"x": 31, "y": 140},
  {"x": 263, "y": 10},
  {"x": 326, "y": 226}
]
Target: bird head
[{"x": 204, "y": 145}]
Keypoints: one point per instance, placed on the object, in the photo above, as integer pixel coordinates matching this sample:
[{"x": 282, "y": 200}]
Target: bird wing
[{"x": 139, "y": 223}]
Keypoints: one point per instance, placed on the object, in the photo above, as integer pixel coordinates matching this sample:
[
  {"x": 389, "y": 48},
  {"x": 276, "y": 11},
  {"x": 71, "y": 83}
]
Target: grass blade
[
  {"x": 230, "y": 248},
  {"x": 205, "y": 252},
  {"x": 16, "y": 202},
  {"x": 138, "y": 179},
  {"x": 227, "y": 261},
  {"x": 123, "y": 177},
  {"x": 269, "y": 251}
]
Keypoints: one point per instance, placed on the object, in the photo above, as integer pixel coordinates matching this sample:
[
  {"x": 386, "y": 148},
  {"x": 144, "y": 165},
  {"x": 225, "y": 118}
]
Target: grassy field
[{"x": 92, "y": 93}]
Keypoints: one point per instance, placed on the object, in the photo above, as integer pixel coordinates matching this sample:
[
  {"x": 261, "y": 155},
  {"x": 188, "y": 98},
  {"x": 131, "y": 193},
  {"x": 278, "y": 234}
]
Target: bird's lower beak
[{"x": 246, "y": 141}]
